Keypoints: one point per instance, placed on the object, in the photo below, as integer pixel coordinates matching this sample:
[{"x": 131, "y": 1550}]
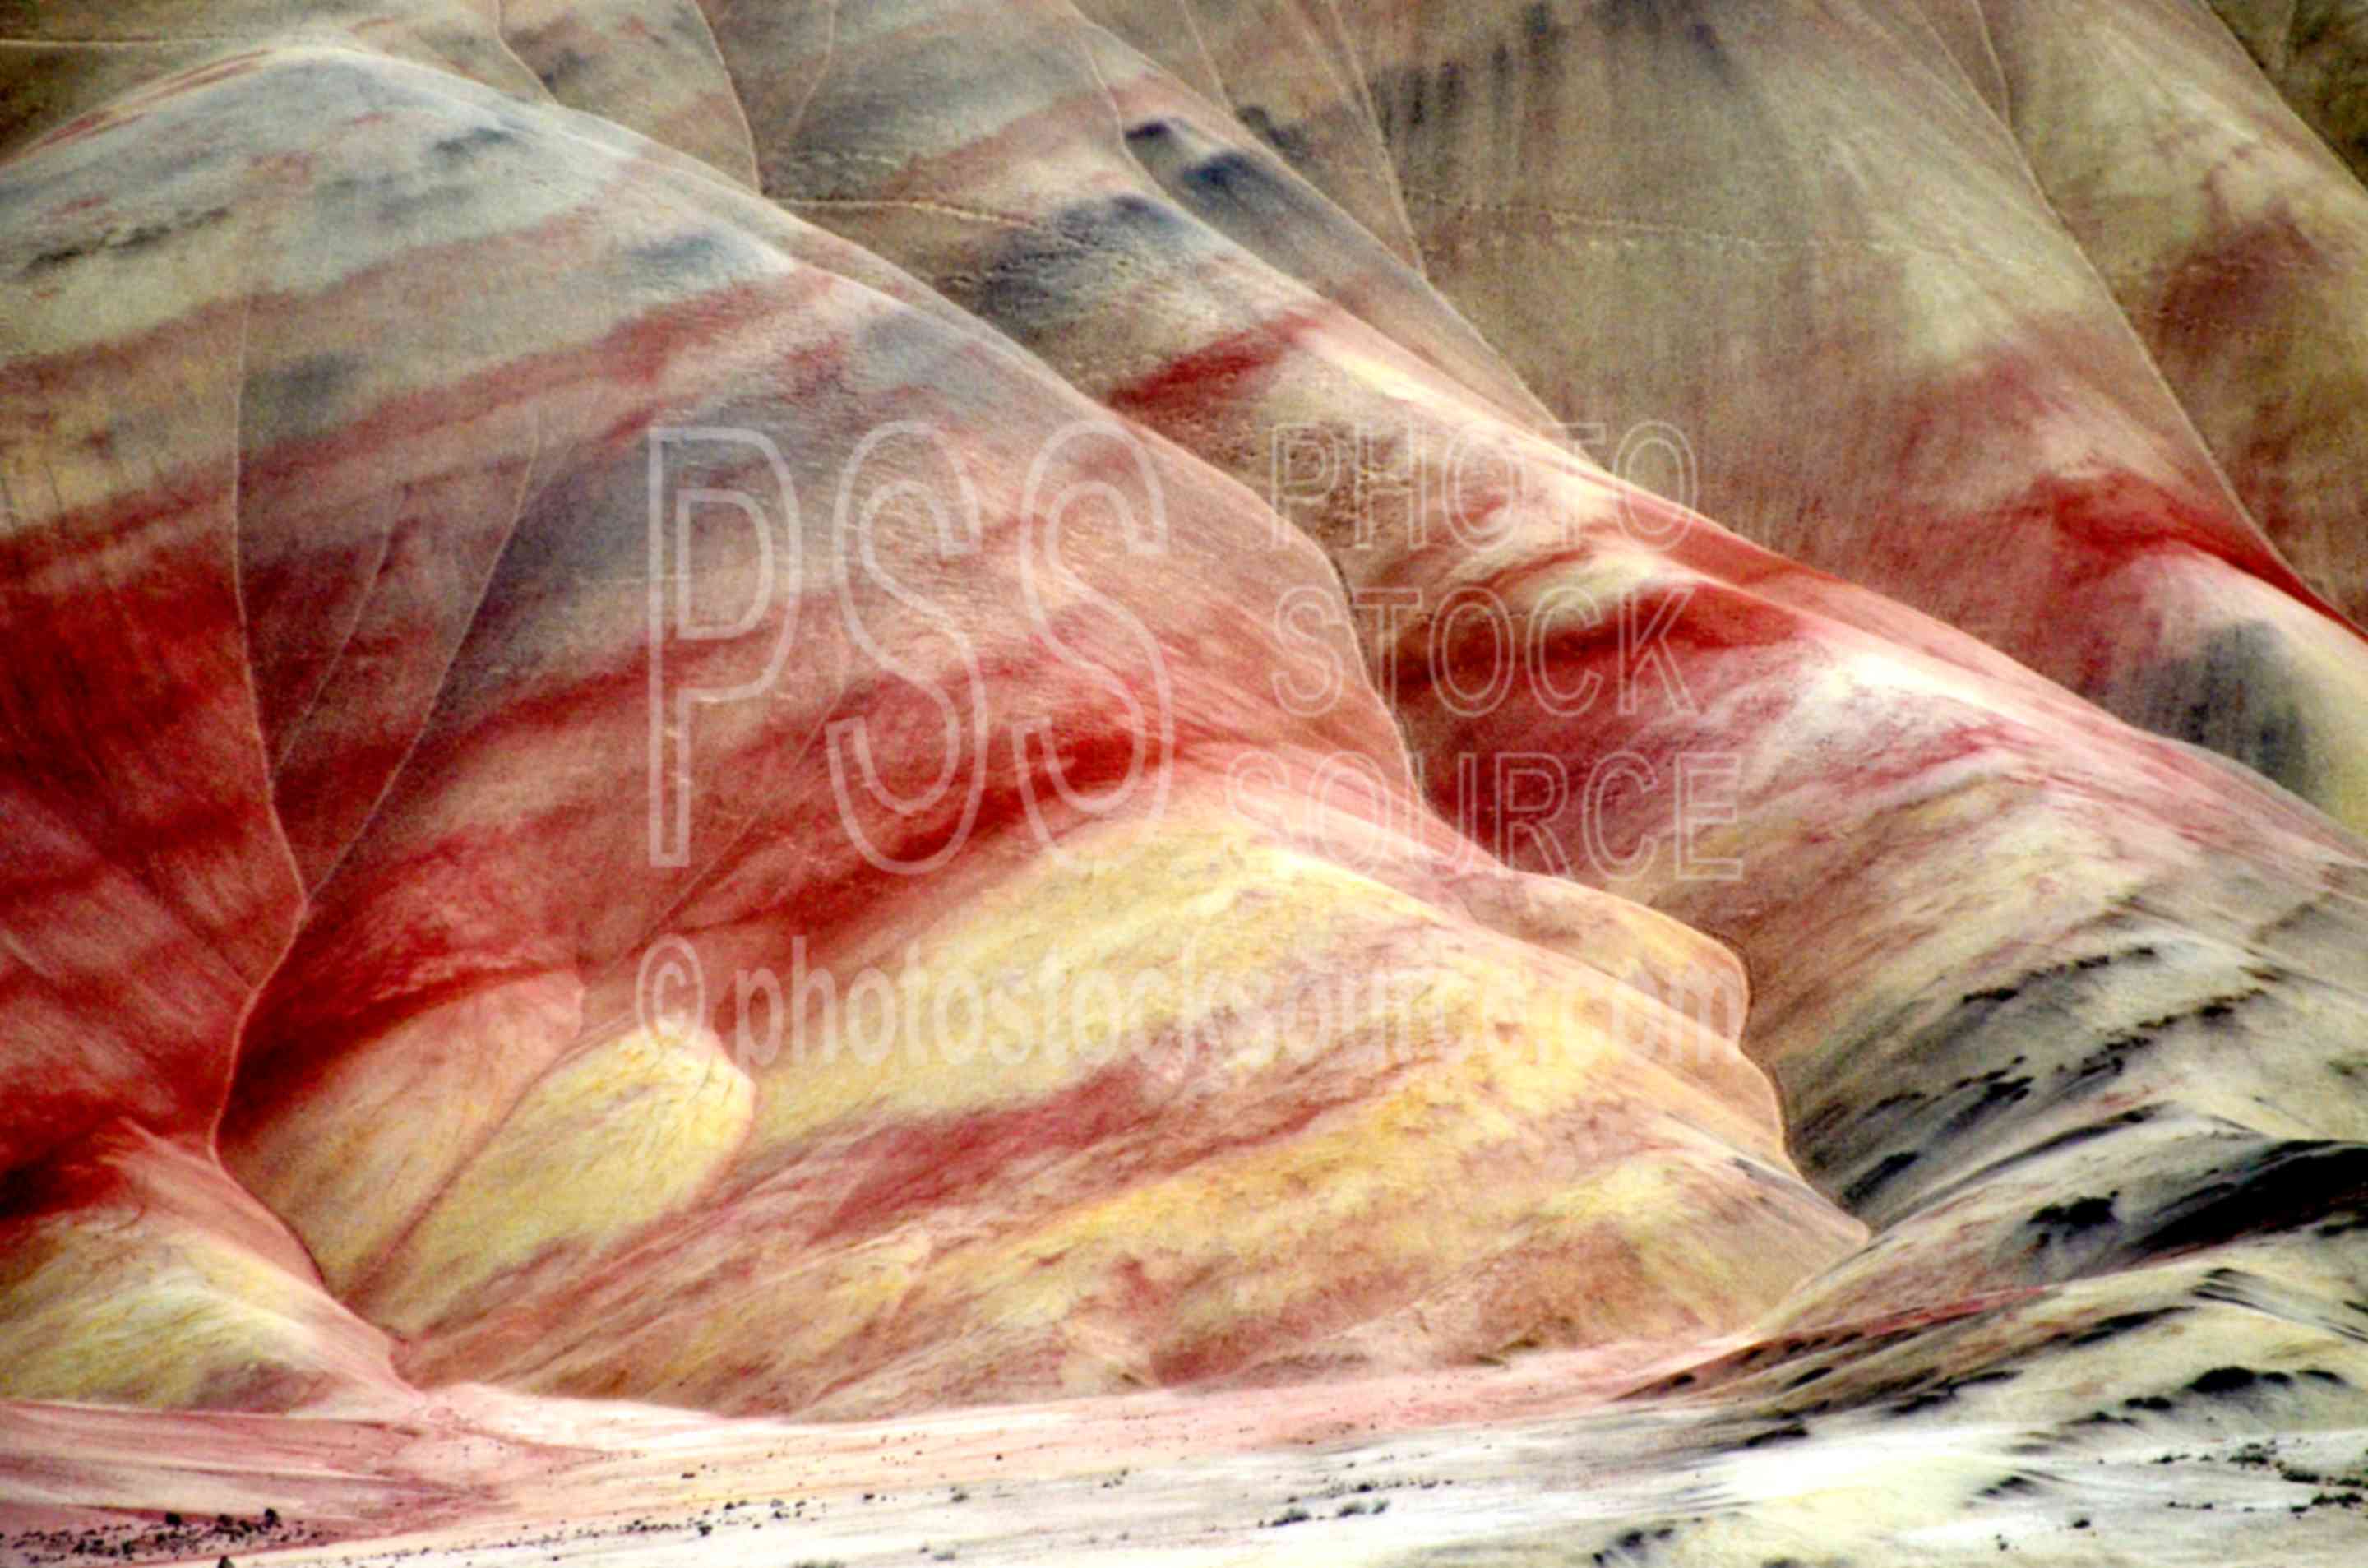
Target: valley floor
[{"x": 1530, "y": 1462}]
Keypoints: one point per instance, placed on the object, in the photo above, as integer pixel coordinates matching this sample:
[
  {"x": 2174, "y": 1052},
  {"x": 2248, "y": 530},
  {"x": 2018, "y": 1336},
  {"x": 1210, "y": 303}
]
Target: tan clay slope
[
  {"x": 1945, "y": 299},
  {"x": 2315, "y": 52}
]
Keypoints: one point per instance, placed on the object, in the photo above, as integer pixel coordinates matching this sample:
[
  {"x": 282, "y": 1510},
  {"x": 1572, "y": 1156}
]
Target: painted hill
[{"x": 832, "y": 710}]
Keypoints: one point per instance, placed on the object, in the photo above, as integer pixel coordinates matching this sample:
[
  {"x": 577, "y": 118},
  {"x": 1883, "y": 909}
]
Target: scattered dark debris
[
  {"x": 1873, "y": 1181},
  {"x": 1634, "y": 1544},
  {"x": 2120, "y": 1324},
  {"x": 2277, "y": 1187},
  {"x": 1787, "y": 1433},
  {"x": 2081, "y": 1214},
  {"x": 172, "y": 1539},
  {"x": 2221, "y": 1381}
]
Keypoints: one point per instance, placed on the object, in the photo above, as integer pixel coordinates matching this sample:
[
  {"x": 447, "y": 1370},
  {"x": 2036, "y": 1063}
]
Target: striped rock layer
[
  {"x": 883, "y": 933},
  {"x": 833, "y": 709}
]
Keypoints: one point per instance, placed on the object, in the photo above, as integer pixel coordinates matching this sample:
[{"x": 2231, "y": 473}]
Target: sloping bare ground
[{"x": 1525, "y": 1463}]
